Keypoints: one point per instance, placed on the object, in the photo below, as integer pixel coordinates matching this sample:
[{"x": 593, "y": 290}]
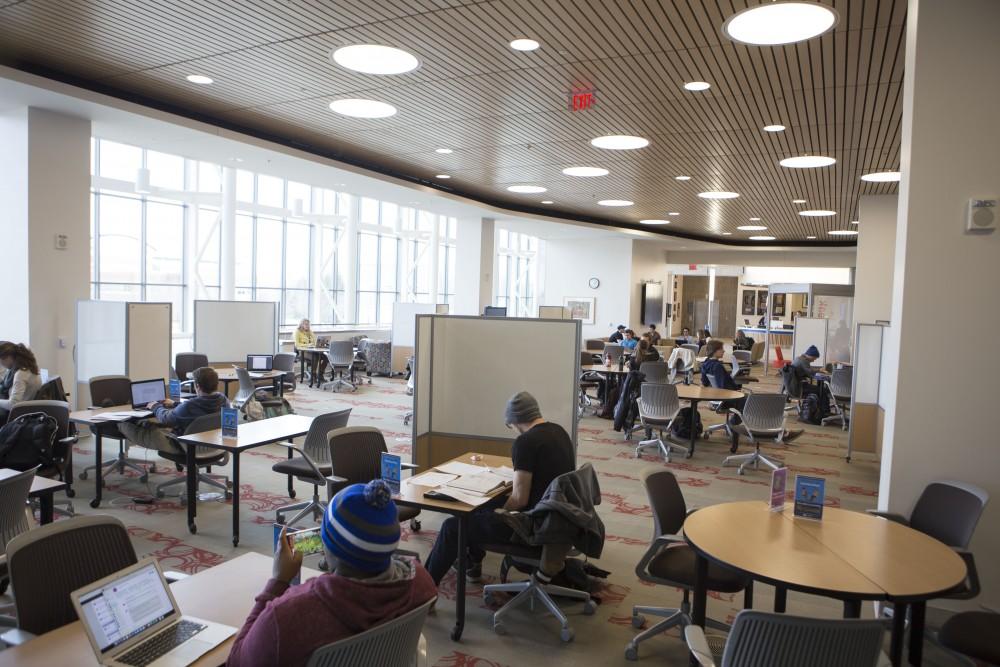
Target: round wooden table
[
  {"x": 694, "y": 393},
  {"x": 848, "y": 555}
]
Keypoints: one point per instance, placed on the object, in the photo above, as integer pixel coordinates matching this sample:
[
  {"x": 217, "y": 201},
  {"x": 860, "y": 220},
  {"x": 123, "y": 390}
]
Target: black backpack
[
  {"x": 814, "y": 406},
  {"x": 27, "y": 441},
  {"x": 681, "y": 428}
]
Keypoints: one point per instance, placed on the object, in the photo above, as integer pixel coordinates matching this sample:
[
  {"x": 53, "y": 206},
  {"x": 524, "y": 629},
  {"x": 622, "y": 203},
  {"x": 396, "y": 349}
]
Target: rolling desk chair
[
  {"x": 206, "y": 457},
  {"x": 763, "y": 416},
  {"x": 657, "y": 372},
  {"x": 395, "y": 643},
  {"x": 658, "y": 407},
  {"x": 285, "y": 361},
  {"x": 840, "y": 389},
  {"x": 107, "y": 391},
  {"x": 588, "y": 380},
  {"x": 62, "y": 448},
  {"x": 247, "y": 390},
  {"x": 717, "y": 407},
  {"x": 188, "y": 362},
  {"x": 341, "y": 358},
  {"x": 13, "y": 519}
]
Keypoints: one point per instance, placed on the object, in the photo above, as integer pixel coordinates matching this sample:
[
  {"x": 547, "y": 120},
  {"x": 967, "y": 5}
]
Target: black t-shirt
[{"x": 545, "y": 451}]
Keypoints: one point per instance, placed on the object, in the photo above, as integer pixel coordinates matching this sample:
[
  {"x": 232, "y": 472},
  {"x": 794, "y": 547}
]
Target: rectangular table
[
  {"x": 250, "y": 435},
  {"x": 223, "y": 594},
  {"x": 97, "y": 428},
  {"x": 228, "y": 375},
  {"x": 412, "y": 495},
  {"x": 42, "y": 488}
]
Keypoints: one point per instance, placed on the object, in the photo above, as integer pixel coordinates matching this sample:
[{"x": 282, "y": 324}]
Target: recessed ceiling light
[
  {"x": 615, "y": 202},
  {"x": 843, "y": 232},
  {"x": 673, "y": 213},
  {"x": 810, "y": 237},
  {"x": 798, "y": 201},
  {"x": 361, "y": 108},
  {"x": 727, "y": 233},
  {"x": 697, "y": 85},
  {"x": 818, "y": 213},
  {"x": 807, "y": 161},
  {"x": 619, "y": 142},
  {"x": 200, "y": 79},
  {"x": 779, "y": 23},
  {"x": 855, "y": 222},
  {"x": 375, "y": 59},
  {"x": 761, "y": 238},
  {"x": 443, "y": 151},
  {"x": 547, "y": 201},
  {"x": 774, "y": 128},
  {"x": 718, "y": 194},
  {"x": 751, "y": 228},
  {"x": 682, "y": 178},
  {"x": 881, "y": 177},
  {"x": 442, "y": 176},
  {"x": 585, "y": 171},
  {"x": 754, "y": 219},
  {"x": 654, "y": 222},
  {"x": 526, "y": 189},
  {"x": 524, "y": 45}
]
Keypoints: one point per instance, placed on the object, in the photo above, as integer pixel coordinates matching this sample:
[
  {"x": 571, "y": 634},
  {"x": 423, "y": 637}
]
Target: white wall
[
  {"x": 468, "y": 245},
  {"x": 569, "y": 266},
  {"x": 876, "y": 245},
  {"x": 764, "y": 257},
  {"x": 14, "y": 317},
  {"x": 941, "y": 418}
]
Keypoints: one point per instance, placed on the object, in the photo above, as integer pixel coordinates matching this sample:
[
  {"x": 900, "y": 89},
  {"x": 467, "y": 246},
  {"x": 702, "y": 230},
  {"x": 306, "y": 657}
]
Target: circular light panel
[
  {"x": 810, "y": 237},
  {"x": 524, "y": 44},
  {"x": 375, "y": 59},
  {"x": 654, "y": 222},
  {"x": 751, "y": 228},
  {"x": 761, "y": 238},
  {"x": 774, "y": 128},
  {"x": 526, "y": 189},
  {"x": 615, "y": 202},
  {"x": 585, "y": 171},
  {"x": 718, "y": 194},
  {"x": 546, "y": 201},
  {"x": 779, "y": 23},
  {"x": 674, "y": 213},
  {"x": 882, "y": 177},
  {"x": 619, "y": 142},
  {"x": 200, "y": 79},
  {"x": 361, "y": 108},
  {"x": 817, "y": 213},
  {"x": 807, "y": 161},
  {"x": 695, "y": 86}
]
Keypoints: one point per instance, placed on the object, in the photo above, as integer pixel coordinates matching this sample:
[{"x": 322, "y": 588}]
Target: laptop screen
[
  {"x": 259, "y": 362},
  {"x": 124, "y": 607},
  {"x": 148, "y": 391}
]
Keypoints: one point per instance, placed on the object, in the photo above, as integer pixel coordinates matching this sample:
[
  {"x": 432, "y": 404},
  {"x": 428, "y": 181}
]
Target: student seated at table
[
  {"x": 177, "y": 417},
  {"x": 541, "y": 452},
  {"x": 367, "y": 584},
  {"x": 653, "y": 334},
  {"x": 644, "y": 352},
  {"x": 630, "y": 341},
  {"x": 742, "y": 341},
  {"x": 800, "y": 373},
  {"x": 306, "y": 337},
  {"x": 686, "y": 338},
  {"x": 21, "y": 380},
  {"x": 618, "y": 335}
]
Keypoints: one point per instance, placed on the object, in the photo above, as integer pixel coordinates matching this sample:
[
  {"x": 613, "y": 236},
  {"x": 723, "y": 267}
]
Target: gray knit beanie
[{"x": 522, "y": 408}]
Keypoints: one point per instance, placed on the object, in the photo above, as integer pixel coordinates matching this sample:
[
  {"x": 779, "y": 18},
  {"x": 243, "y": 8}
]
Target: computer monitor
[
  {"x": 145, "y": 392},
  {"x": 495, "y": 311},
  {"x": 260, "y": 362}
]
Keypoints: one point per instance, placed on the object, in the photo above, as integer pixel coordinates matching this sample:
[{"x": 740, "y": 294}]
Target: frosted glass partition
[
  {"x": 101, "y": 339},
  {"x": 227, "y": 331},
  {"x": 839, "y": 311},
  {"x": 810, "y": 331}
]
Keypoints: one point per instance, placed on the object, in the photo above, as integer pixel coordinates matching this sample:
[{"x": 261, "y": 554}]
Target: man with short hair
[
  {"x": 654, "y": 335},
  {"x": 686, "y": 338},
  {"x": 618, "y": 335},
  {"x": 367, "y": 585},
  {"x": 542, "y": 451}
]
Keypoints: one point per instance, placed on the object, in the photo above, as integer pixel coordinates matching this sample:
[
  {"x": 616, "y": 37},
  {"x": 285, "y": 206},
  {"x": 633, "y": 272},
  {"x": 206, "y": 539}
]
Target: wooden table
[
  {"x": 848, "y": 555},
  {"x": 412, "y": 495},
  {"x": 97, "y": 428},
  {"x": 42, "y": 488},
  {"x": 223, "y": 594},
  {"x": 249, "y": 436},
  {"x": 695, "y": 393}
]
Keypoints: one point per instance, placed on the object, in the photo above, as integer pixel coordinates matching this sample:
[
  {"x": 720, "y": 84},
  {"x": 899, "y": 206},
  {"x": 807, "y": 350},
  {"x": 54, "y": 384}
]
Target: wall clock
[{"x": 594, "y": 283}]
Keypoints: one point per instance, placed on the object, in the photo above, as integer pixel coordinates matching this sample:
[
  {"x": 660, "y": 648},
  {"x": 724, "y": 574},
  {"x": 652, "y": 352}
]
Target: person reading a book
[
  {"x": 177, "y": 417},
  {"x": 542, "y": 451}
]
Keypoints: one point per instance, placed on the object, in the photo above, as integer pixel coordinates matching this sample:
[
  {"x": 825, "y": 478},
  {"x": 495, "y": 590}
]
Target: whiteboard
[
  {"x": 227, "y": 331},
  {"x": 100, "y": 339},
  {"x": 868, "y": 364},
  {"x": 149, "y": 341},
  {"x": 404, "y": 321},
  {"x": 553, "y": 312},
  {"x": 810, "y": 331},
  {"x": 475, "y": 369}
]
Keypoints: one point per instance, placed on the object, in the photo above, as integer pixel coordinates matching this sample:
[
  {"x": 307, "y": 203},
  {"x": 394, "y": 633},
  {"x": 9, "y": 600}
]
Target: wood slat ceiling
[{"x": 505, "y": 112}]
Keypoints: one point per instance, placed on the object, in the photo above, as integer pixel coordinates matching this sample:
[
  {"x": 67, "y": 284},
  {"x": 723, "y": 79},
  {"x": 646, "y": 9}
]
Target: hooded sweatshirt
[
  {"x": 715, "y": 369},
  {"x": 180, "y": 417},
  {"x": 287, "y": 623}
]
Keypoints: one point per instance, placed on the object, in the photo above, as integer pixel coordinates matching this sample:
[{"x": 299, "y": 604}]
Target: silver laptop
[{"x": 132, "y": 619}]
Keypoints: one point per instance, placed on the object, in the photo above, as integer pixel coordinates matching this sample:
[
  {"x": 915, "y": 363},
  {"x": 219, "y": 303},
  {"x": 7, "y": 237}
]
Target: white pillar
[
  {"x": 316, "y": 270},
  {"x": 351, "y": 270},
  {"x": 873, "y": 273},
  {"x": 487, "y": 255},
  {"x": 227, "y": 235},
  {"x": 940, "y": 420},
  {"x": 435, "y": 253},
  {"x": 44, "y": 196}
]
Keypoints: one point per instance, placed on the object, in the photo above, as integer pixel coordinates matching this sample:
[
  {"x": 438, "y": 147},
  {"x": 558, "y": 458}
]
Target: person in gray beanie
[{"x": 541, "y": 452}]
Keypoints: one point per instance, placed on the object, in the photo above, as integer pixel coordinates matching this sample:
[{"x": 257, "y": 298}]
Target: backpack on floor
[
  {"x": 681, "y": 428},
  {"x": 256, "y": 409},
  {"x": 811, "y": 409},
  {"x": 27, "y": 441}
]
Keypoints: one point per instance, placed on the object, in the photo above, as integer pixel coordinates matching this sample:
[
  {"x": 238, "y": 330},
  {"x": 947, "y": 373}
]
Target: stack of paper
[
  {"x": 432, "y": 479},
  {"x": 459, "y": 468},
  {"x": 484, "y": 483},
  {"x": 121, "y": 416}
]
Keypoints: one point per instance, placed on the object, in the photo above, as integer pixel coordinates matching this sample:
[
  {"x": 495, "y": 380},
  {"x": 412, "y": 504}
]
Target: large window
[{"x": 517, "y": 273}]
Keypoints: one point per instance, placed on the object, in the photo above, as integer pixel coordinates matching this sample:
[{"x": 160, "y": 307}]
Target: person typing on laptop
[{"x": 367, "y": 584}]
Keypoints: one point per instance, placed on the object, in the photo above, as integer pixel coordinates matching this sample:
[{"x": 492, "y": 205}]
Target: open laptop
[
  {"x": 258, "y": 364},
  {"x": 132, "y": 619},
  {"x": 145, "y": 392}
]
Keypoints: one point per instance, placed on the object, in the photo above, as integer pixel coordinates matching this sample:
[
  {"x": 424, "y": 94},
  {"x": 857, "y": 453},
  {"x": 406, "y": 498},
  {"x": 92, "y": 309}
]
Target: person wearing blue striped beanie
[{"x": 361, "y": 528}]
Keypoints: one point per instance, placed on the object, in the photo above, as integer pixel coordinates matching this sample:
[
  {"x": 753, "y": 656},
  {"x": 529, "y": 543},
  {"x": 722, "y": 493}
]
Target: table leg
[
  {"x": 898, "y": 634},
  {"x": 852, "y": 608},
  {"x": 700, "y": 593},
  {"x": 45, "y": 508},
  {"x": 694, "y": 411},
  {"x": 191, "y": 471},
  {"x": 463, "y": 564},
  {"x": 916, "y": 649},
  {"x": 236, "y": 498},
  {"x": 278, "y": 386},
  {"x": 99, "y": 473},
  {"x": 780, "y": 599},
  {"x": 302, "y": 367}
]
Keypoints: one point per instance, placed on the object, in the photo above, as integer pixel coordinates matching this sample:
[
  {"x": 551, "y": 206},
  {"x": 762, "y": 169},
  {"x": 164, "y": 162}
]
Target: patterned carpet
[{"x": 160, "y": 530}]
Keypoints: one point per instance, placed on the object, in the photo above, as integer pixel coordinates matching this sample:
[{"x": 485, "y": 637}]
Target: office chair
[
  {"x": 756, "y": 352},
  {"x": 693, "y": 347},
  {"x": 763, "y": 639},
  {"x": 718, "y": 409},
  {"x": 62, "y": 448},
  {"x": 840, "y": 389},
  {"x": 205, "y": 457},
  {"x": 670, "y": 561},
  {"x": 285, "y": 361},
  {"x": 410, "y": 384},
  {"x": 14, "y": 492},
  {"x": 248, "y": 389},
  {"x": 588, "y": 380},
  {"x": 763, "y": 416},
  {"x": 681, "y": 362},
  {"x": 340, "y": 357},
  {"x": 658, "y": 407},
  {"x": 311, "y": 466},
  {"x": 107, "y": 391},
  {"x": 973, "y": 634},
  {"x": 657, "y": 372},
  {"x": 188, "y": 362},
  {"x": 395, "y": 643}
]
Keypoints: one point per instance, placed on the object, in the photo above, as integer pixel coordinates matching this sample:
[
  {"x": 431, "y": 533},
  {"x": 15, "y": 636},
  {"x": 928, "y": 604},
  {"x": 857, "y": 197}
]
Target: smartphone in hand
[{"x": 307, "y": 541}]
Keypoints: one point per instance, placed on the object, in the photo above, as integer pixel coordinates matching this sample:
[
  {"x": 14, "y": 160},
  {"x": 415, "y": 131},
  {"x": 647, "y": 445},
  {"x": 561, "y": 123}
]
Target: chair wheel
[
  {"x": 159, "y": 494},
  {"x": 291, "y": 494},
  {"x": 638, "y": 621},
  {"x": 488, "y": 599},
  {"x": 70, "y": 493},
  {"x": 229, "y": 495},
  {"x": 3, "y": 585},
  {"x": 94, "y": 503},
  {"x": 83, "y": 475},
  {"x": 415, "y": 525},
  {"x": 589, "y": 608},
  {"x": 500, "y": 629},
  {"x": 152, "y": 467},
  {"x": 631, "y": 653},
  {"x": 566, "y": 634},
  {"x": 706, "y": 435},
  {"x": 192, "y": 528}
]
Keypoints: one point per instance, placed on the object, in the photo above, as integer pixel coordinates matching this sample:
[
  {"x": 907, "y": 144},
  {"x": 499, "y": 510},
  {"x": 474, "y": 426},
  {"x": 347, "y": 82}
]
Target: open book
[{"x": 485, "y": 483}]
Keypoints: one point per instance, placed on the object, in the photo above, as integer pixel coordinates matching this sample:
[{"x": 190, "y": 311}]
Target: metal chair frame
[{"x": 758, "y": 422}]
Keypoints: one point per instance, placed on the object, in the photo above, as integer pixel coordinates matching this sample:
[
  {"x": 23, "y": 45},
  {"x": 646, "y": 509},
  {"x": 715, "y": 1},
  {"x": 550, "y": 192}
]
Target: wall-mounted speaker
[{"x": 981, "y": 216}]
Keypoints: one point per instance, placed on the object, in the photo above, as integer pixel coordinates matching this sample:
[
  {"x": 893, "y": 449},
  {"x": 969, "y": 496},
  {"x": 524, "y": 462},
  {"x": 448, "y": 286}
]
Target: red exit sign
[{"x": 581, "y": 100}]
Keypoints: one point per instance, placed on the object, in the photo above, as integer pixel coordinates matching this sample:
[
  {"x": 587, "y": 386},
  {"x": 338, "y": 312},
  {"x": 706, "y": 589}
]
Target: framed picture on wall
[
  {"x": 749, "y": 302},
  {"x": 580, "y": 308},
  {"x": 779, "y": 305},
  {"x": 761, "y": 301}
]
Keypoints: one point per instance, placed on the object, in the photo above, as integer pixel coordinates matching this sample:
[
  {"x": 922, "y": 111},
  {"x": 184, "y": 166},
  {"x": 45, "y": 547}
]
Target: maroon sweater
[{"x": 288, "y": 623}]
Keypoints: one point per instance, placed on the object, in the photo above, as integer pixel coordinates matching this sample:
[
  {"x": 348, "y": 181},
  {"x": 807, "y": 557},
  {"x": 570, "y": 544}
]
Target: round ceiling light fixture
[
  {"x": 375, "y": 59},
  {"x": 727, "y": 233},
  {"x": 718, "y": 194},
  {"x": 443, "y": 151},
  {"x": 526, "y": 189},
  {"x": 774, "y": 128},
  {"x": 696, "y": 86},
  {"x": 807, "y": 161},
  {"x": 817, "y": 213},
  {"x": 682, "y": 178},
  {"x": 810, "y": 237},
  {"x": 761, "y": 238},
  {"x": 798, "y": 201},
  {"x": 882, "y": 177},
  {"x": 843, "y": 232},
  {"x": 524, "y": 44},
  {"x": 619, "y": 142},
  {"x": 442, "y": 176},
  {"x": 674, "y": 213},
  {"x": 585, "y": 172},
  {"x": 654, "y": 222},
  {"x": 751, "y": 228},
  {"x": 362, "y": 108},
  {"x": 615, "y": 202},
  {"x": 776, "y": 23},
  {"x": 200, "y": 79}
]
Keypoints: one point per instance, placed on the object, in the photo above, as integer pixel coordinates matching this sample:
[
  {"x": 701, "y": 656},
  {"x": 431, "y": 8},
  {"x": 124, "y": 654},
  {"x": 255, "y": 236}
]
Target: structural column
[{"x": 227, "y": 235}]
